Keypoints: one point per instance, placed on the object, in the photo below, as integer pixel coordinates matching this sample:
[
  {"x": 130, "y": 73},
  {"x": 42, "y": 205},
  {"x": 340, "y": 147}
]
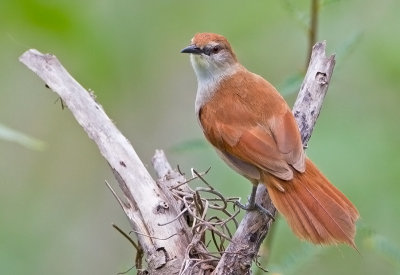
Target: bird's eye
[
  {"x": 216, "y": 49},
  {"x": 211, "y": 49}
]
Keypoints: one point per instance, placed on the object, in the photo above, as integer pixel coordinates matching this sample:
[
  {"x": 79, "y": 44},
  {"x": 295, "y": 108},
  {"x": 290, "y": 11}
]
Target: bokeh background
[{"x": 55, "y": 210}]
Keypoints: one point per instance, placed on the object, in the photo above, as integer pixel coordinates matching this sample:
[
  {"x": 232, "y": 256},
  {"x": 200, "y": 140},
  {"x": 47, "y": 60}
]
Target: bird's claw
[{"x": 255, "y": 206}]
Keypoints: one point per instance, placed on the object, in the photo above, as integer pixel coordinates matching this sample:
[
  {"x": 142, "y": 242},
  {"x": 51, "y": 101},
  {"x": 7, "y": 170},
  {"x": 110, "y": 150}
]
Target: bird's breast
[{"x": 209, "y": 83}]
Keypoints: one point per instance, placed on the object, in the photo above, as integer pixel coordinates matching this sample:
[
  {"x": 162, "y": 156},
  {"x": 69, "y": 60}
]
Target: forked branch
[{"x": 169, "y": 217}]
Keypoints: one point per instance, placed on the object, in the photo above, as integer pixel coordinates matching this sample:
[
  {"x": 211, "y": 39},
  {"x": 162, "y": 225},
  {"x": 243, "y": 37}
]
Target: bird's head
[{"x": 211, "y": 56}]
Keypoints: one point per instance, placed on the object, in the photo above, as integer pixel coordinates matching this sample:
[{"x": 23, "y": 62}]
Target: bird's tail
[{"x": 315, "y": 209}]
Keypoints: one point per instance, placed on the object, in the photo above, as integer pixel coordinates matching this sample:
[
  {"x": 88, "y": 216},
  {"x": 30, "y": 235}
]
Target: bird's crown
[
  {"x": 209, "y": 44},
  {"x": 203, "y": 39}
]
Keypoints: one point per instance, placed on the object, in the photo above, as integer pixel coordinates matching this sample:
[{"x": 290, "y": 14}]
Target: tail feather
[
  {"x": 315, "y": 209},
  {"x": 302, "y": 223}
]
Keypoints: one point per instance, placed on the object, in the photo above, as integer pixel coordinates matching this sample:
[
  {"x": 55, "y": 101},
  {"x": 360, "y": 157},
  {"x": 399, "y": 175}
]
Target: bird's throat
[{"x": 209, "y": 77}]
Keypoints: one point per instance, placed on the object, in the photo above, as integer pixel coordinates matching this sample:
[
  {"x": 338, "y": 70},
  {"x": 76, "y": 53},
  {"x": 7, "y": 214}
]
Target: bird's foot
[{"x": 254, "y": 206}]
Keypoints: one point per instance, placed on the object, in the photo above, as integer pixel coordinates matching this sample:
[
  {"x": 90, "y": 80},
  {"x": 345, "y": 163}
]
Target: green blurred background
[{"x": 55, "y": 210}]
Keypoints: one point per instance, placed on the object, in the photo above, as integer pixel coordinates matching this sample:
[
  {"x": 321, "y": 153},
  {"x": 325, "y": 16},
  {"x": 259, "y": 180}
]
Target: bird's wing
[
  {"x": 255, "y": 146},
  {"x": 286, "y": 134},
  {"x": 271, "y": 142}
]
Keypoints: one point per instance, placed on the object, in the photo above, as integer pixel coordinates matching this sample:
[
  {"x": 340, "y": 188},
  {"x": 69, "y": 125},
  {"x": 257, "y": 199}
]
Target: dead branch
[
  {"x": 169, "y": 218},
  {"x": 145, "y": 203}
]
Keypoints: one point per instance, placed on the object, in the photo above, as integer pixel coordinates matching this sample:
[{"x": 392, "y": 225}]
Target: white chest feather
[
  {"x": 205, "y": 90},
  {"x": 209, "y": 77}
]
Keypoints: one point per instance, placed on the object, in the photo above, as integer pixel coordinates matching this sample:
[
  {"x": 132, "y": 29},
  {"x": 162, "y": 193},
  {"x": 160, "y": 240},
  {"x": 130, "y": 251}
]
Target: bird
[{"x": 253, "y": 130}]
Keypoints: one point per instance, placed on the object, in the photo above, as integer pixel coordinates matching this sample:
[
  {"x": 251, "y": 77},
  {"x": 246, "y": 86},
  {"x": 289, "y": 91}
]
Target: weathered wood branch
[
  {"x": 255, "y": 226},
  {"x": 309, "y": 101},
  {"x": 146, "y": 204}
]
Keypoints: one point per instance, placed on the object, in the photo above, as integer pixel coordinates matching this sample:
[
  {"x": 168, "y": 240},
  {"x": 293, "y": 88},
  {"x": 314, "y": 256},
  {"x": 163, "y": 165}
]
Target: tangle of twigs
[{"x": 213, "y": 220}]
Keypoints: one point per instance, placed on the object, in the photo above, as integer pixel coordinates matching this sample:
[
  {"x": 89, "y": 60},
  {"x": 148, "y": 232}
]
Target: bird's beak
[{"x": 192, "y": 49}]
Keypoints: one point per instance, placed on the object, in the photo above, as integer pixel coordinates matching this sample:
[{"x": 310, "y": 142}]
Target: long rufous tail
[{"x": 315, "y": 209}]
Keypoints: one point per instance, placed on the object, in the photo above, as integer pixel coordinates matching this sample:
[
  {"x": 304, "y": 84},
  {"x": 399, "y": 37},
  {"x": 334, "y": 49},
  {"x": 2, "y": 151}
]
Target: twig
[
  {"x": 127, "y": 237},
  {"x": 139, "y": 250},
  {"x": 312, "y": 29},
  {"x": 154, "y": 237},
  {"x": 126, "y": 271},
  {"x": 120, "y": 202}
]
